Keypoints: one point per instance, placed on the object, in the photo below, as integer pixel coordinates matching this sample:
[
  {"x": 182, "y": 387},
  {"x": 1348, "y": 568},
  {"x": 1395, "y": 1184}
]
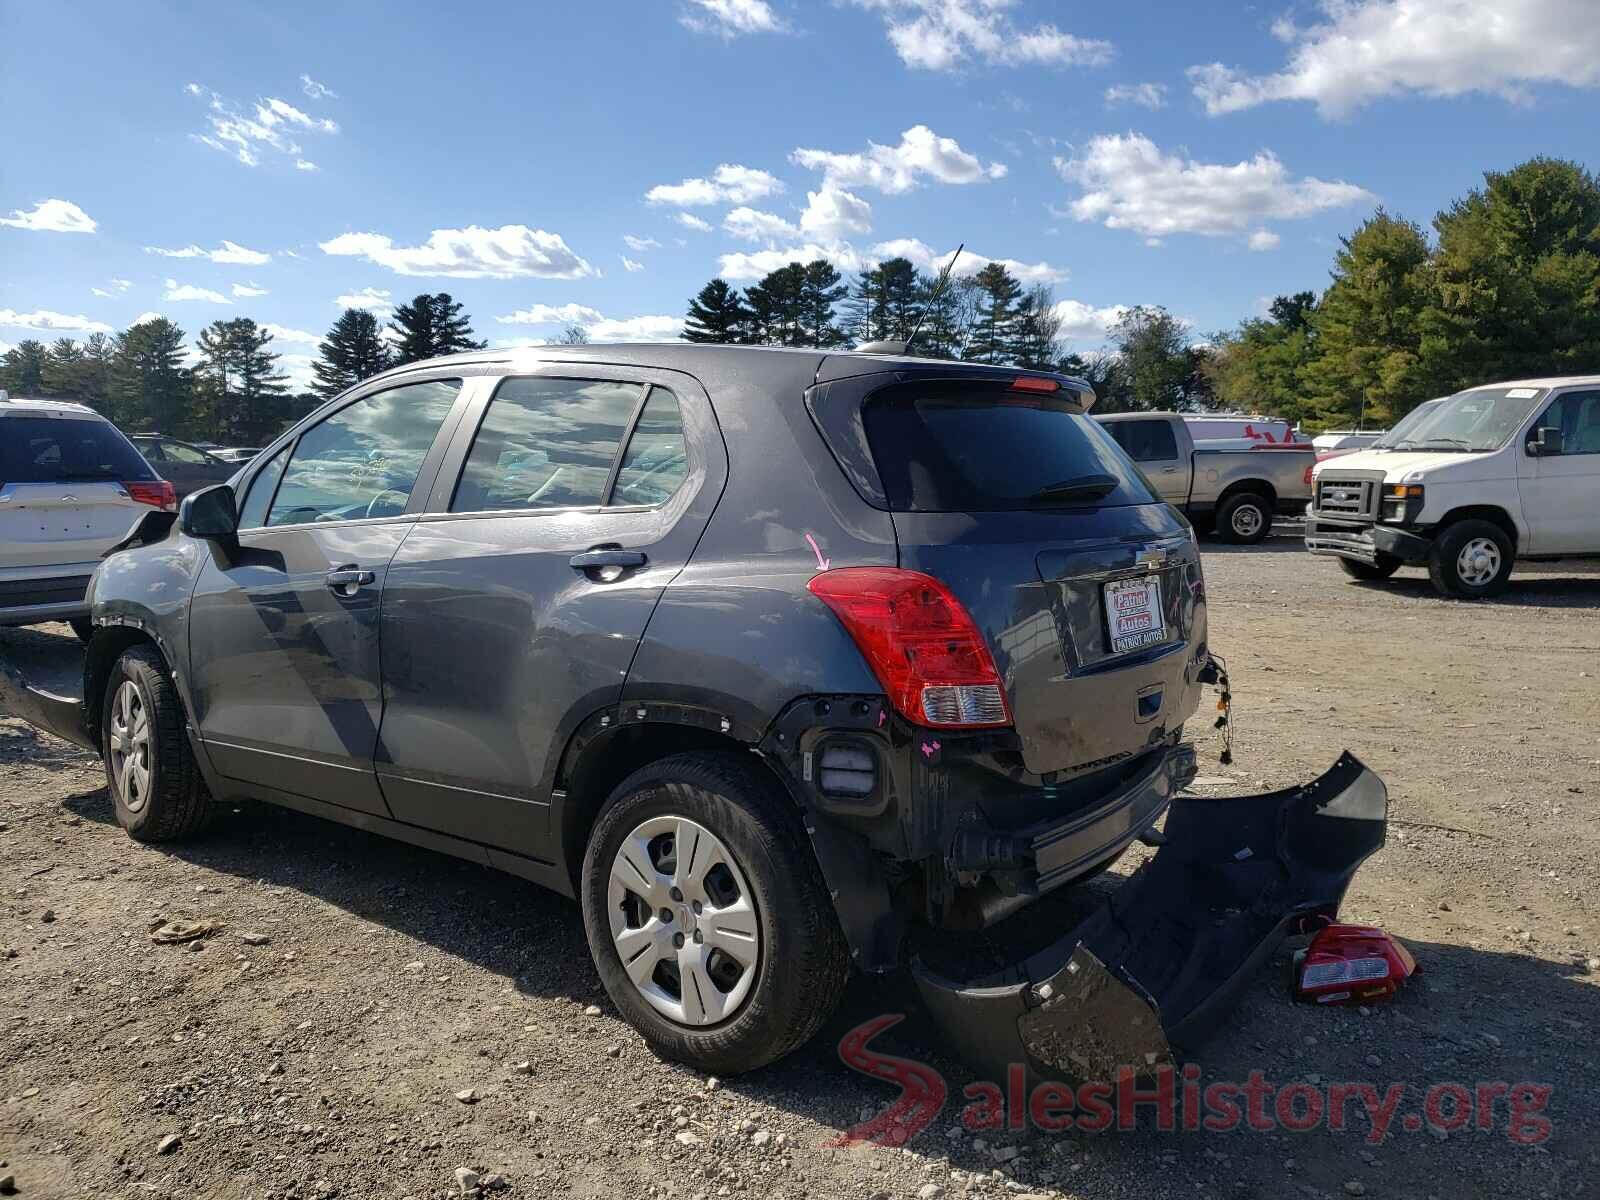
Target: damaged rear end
[{"x": 1162, "y": 960}]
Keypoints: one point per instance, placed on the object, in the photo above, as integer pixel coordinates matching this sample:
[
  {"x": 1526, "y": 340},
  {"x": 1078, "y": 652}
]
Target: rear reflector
[
  {"x": 157, "y": 493},
  {"x": 921, "y": 644}
]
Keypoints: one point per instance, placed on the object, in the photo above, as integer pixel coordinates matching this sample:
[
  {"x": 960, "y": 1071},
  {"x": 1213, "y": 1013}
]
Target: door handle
[
  {"x": 607, "y": 556},
  {"x": 346, "y": 581}
]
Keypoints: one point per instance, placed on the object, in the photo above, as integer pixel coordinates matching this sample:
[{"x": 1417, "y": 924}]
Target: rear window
[
  {"x": 955, "y": 447},
  {"x": 51, "y": 450}
]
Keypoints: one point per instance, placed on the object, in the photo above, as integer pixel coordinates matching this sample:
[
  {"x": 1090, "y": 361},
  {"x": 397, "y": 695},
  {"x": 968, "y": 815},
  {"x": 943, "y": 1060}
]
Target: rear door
[
  {"x": 1090, "y": 600},
  {"x": 513, "y": 610},
  {"x": 283, "y": 629},
  {"x": 63, "y": 494},
  {"x": 1153, "y": 444}
]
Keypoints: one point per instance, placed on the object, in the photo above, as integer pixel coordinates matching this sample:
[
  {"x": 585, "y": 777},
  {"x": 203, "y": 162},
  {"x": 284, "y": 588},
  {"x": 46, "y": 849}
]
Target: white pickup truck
[
  {"x": 1468, "y": 485},
  {"x": 1231, "y": 489}
]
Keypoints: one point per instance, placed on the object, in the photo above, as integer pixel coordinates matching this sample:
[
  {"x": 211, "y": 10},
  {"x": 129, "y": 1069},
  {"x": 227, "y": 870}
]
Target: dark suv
[{"x": 774, "y": 660}]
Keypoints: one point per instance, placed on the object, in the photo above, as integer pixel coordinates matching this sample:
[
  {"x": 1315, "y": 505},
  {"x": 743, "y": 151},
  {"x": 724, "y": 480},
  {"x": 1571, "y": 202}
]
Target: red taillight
[
  {"x": 157, "y": 493},
  {"x": 1351, "y": 964},
  {"x": 1032, "y": 383},
  {"x": 920, "y": 643},
  {"x": 1308, "y": 475}
]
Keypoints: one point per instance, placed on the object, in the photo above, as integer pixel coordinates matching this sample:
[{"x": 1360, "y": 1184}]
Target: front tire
[
  {"x": 698, "y": 875},
  {"x": 151, "y": 774},
  {"x": 1471, "y": 560},
  {"x": 1244, "y": 519},
  {"x": 1374, "y": 572}
]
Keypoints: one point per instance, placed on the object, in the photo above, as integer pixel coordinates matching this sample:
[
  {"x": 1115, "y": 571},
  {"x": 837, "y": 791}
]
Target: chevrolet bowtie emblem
[{"x": 1150, "y": 559}]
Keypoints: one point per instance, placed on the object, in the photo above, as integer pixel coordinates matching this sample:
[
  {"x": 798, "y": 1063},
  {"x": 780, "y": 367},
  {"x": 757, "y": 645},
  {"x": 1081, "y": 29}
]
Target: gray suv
[{"x": 778, "y": 662}]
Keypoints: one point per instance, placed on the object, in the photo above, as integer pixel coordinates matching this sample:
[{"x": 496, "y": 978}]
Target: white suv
[
  {"x": 71, "y": 487},
  {"x": 1468, "y": 485}
]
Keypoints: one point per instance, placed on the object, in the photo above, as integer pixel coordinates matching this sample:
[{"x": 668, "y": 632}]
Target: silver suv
[{"x": 71, "y": 486}]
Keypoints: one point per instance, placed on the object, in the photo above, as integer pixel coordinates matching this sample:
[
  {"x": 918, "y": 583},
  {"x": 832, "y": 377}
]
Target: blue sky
[{"x": 596, "y": 163}]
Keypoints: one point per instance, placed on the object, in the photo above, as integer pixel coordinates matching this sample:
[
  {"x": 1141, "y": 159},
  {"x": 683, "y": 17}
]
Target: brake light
[
  {"x": 158, "y": 493},
  {"x": 1308, "y": 474},
  {"x": 1351, "y": 964},
  {"x": 921, "y": 644},
  {"x": 1032, "y": 383}
]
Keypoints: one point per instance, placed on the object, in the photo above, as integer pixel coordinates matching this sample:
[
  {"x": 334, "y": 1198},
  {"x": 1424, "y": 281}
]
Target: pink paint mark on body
[
  {"x": 822, "y": 563},
  {"x": 929, "y": 749}
]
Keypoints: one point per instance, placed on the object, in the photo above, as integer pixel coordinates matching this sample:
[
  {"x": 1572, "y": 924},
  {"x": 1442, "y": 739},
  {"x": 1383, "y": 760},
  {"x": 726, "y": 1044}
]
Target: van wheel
[
  {"x": 1471, "y": 560},
  {"x": 1378, "y": 569},
  {"x": 707, "y": 915},
  {"x": 150, "y": 770},
  {"x": 1244, "y": 519}
]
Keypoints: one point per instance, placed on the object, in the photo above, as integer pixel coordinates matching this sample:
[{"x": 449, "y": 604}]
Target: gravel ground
[{"x": 373, "y": 1017}]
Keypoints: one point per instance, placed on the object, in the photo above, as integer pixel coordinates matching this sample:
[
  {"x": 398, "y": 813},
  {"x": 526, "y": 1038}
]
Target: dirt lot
[{"x": 327, "y": 1060}]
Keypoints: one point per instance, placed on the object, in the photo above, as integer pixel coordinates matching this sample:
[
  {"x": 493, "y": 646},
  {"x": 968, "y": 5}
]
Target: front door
[
  {"x": 1561, "y": 492},
  {"x": 513, "y": 609},
  {"x": 284, "y": 627}
]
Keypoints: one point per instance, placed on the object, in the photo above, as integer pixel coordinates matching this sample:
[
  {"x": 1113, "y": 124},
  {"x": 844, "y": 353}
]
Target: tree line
[{"x": 232, "y": 389}]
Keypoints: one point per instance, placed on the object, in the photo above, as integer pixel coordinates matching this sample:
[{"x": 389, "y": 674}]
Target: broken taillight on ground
[{"x": 1351, "y": 964}]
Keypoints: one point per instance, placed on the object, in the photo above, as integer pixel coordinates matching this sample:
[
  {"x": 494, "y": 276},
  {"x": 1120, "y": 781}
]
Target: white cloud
[
  {"x": 52, "y": 216},
  {"x": 1367, "y": 49},
  {"x": 895, "y": 169},
  {"x": 1085, "y": 324},
  {"x": 143, "y": 317},
  {"x": 298, "y": 336},
  {"x": 305, "y": 164},
  {"x": 923, "y": 256},
  {"x": 636, "y": 329},
  {"x": 731, "y": 18},
  {"x": 186, "y": 291},
  {"x": 944, "y": 35},
  {"x": 1147, "y": 95},
  {"x": 640, "y": 244},
  {"x": 299, "y": 371},
  {"x": 114, "y": 287},
  {"x": 374, "y": 300},
  {"x": 45, "y": 321},
  {"x": 315, "y": 90},
  {"x": 6, "y": 347},
  {"x": 629, "y": 264},
  {"x": 1264, "y": 239},
  {"x": 509, "y": 252},
  {"x": 753, "y": 265},
  {"x": 271, "y": 127},
  {"x": 247, "y": 290},
  {"x": 552, "y": 314},
  {"x": 751, "y": 225},
  {"x": 690, "y": 221},
  {"x": 1129, "y": 183},
  {"x": 228, "y": 254},
  {"x": 832, "y": 214},
  {"x": 730, "y": 183}
]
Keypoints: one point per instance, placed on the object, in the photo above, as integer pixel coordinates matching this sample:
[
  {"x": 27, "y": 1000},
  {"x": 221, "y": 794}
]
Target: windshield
[
  {"x": 971, "y": 447},
  {"x": 1476, "y": 421}
]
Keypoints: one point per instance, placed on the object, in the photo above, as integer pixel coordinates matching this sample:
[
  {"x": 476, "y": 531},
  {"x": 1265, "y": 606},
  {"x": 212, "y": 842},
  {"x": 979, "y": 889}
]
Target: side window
[
  {"x": 177, "y": 452},
  {"x": 362, "y": 461},
  {"x": 253, "y": 512},
  {"x": 1577, "y": 416},
  {"x": 151, "y": 451},
  {"x": 1146, "y": 441},
  {"x": 657, "y": 459},
  {"x": 546, "y": 443}
]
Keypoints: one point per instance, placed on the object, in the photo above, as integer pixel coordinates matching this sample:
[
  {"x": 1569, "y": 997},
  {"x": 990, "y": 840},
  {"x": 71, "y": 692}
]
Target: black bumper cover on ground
[
  {"x": 60, "y": 715},
  {"x": 1160, "y": 963}
]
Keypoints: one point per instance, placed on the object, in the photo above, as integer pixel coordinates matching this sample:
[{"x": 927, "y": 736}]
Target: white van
[{"x": 1477, "y": 481}]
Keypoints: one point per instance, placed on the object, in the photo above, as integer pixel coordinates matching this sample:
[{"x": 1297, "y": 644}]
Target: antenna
[{"x": 933, "y": 298}]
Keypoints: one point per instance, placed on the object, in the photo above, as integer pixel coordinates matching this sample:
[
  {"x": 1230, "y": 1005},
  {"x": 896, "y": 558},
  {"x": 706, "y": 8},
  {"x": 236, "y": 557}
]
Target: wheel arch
[
  {"x": 1260, "y": 487},
  {"x": 1492, "y": 513},
  {"x": 109, "y": 644}
]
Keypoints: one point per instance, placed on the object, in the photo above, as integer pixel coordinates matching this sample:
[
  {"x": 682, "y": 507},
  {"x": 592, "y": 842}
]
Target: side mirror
[
  {"x": 1546, "y": 442},
  {"x": 209, "y": 513}
]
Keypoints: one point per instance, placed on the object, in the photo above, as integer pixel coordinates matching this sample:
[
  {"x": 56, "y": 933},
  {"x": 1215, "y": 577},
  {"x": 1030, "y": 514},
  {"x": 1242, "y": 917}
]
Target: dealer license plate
[{"x": 1133, "y": 610}]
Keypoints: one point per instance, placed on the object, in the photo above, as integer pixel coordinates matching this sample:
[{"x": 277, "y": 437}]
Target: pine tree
[
  {"x": 22, "y": 368},
  {"x": 353, "y": 350},
  {"x": 261, "y": 383},
  {"x": 885, "y": 301},
  {"x": 153, "y": 386},
  {"x": 821, "y": 287},
  {"x": 717, "y": 314},
  {"x": 212, "y": 377},
  {"x": 776, "y": 306},
  {"x": 62, "y": 375},
  {"x": 994, "y": 337},
  {"x": 100, "y": 353},
  {"x": 1037, "y": 330},
  {"x": 431, "y": 325}
]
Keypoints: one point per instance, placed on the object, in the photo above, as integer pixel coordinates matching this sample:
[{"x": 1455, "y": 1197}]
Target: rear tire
[
  {"x": 1471, "y": 560},
  {"x": 151, "y": 774},
  {"x": 1244, "y": 519},
  {"x": 1374, "y": 572},
  {"x": 798, "y": 960}
]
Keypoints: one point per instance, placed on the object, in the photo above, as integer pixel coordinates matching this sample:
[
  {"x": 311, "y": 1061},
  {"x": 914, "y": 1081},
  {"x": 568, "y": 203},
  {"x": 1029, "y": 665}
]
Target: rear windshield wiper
[{"x": 1086, "y": 487}]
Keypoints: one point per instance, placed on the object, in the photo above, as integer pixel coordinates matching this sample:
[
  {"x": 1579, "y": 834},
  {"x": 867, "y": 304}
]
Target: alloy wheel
[{"x": 130, "y": 746}]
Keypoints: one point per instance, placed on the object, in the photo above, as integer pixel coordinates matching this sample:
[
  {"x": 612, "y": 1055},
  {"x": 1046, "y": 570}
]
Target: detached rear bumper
[
  {"x": 60, "y": 715},
  {"x": 1161, "y": 962}
]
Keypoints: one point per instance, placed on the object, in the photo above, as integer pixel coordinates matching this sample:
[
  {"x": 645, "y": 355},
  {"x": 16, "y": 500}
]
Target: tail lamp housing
[
  {"x": 1351, "y": 964},
  {"x": 157, "y": 493},
  {"x": 921, "y": 643}
]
